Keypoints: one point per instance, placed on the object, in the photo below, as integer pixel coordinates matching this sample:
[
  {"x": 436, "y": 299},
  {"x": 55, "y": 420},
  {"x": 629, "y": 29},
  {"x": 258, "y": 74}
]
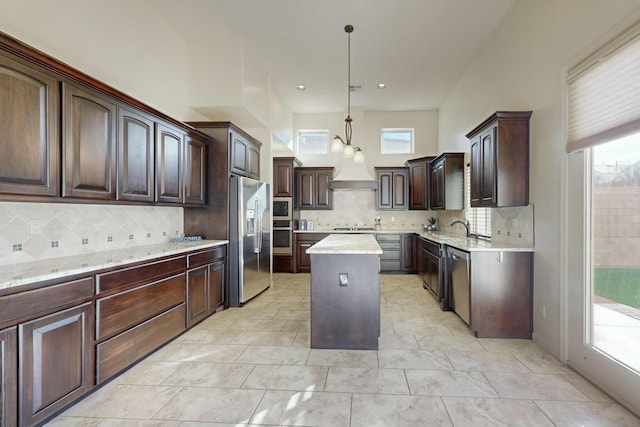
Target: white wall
[
  {"x": 108, "y": 40},
  {"x": 129, "y": 46},
  {"x": 521, "y": 68},
  {"x": 211, "y": 81},
  {"x": 424, "y": 122},
  {"x": 366, "y": 134}
]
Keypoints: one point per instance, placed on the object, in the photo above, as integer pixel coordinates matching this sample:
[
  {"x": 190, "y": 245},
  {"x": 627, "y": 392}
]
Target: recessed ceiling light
[
  {"x": 301, "y": 87},
  {"x": 381, "y": 85}
]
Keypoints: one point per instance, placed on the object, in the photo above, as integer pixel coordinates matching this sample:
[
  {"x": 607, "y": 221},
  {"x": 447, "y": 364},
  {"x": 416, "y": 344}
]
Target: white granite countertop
[
  {"x": 55, "y": 268},
  {"x": 471, "y": 244},
  {"x": 359, "y": 231},
  {"x": 347, "y": 244},
  {"x": 460, "y": 242}
]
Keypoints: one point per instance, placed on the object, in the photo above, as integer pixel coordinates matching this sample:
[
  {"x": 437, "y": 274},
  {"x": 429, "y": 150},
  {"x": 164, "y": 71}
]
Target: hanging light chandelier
[{"x": 339, "y": 145}]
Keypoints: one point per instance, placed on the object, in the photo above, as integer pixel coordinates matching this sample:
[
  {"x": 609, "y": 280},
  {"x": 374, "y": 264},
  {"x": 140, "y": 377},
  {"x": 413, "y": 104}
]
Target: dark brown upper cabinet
[
  {"x": 419, "y": 183},
  {"x": 283, "y": 176},
  {"x": 65, "y": 136},
  {"x": 195, "y": 170},
  {"x": 169, "y": 147},
  {"x": 393, "y": 188},
  {"x": 245, "y": 155},
  {"x": 500, "y": 160},
  {"x": 89, "y": 144},
  {"x": 29, "y": 137},
  {"x": 447, "y": 182},
  {"x": 135, "y": 156},
  {"x": 312, "y": 188}
]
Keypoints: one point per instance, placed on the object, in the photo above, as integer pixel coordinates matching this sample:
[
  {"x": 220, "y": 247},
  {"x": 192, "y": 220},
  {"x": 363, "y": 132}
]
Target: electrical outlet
[
  {"x": 343, "y": 280},
  {"x": 35, "y": 227}
]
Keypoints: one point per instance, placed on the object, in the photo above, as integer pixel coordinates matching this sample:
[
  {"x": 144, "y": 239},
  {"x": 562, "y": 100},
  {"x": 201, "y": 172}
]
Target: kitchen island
[{"x": 345, "y": 292}]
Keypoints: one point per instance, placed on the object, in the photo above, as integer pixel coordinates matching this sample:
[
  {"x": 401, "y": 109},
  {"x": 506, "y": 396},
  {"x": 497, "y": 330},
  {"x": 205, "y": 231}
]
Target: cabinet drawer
[
  {"x": 127, "y": 276},
  {"x": 121, "y": 351},
  {"x": 121, "y": 311},
  {"x": 390, "y": 255},
  {"x": 386, "y": 265},
  {"x": 431, "y": 247},
  {"x": 25, "y": 305},
  {"x": 388, "y": 237},
  {"x": 206, "y": 257},
  {"x": 394, "y": 246}
]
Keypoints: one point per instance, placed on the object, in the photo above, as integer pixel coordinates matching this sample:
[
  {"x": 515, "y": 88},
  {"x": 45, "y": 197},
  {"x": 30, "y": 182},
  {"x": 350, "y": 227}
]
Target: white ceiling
[{"x": 418, "y": 48}]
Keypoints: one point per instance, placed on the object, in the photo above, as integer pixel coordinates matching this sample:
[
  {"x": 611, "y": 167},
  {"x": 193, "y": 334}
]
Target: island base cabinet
[
  {"x": 8, "y": 378},
  {"x": 121, "y": 351},
  {"x": 345, "y": 316},
  {"x": 56, "y": 363},
  {"x": 502, "y": 294}
]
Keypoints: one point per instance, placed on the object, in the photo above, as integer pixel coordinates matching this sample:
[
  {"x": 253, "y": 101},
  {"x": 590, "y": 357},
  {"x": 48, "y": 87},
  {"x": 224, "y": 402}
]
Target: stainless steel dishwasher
[{"x": 459, "y": 269}]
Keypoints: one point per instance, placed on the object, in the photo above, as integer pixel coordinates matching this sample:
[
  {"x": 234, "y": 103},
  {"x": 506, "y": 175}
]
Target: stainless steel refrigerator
[{"x": 249, "y": 239}]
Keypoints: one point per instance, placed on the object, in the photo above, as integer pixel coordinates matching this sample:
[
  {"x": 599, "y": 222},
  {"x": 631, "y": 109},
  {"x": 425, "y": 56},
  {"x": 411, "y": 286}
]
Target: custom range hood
[{"x": 353, "y": 176}]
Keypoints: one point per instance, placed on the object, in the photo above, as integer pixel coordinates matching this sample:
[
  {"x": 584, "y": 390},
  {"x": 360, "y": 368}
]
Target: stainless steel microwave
[{"x": 282, "y": 208}]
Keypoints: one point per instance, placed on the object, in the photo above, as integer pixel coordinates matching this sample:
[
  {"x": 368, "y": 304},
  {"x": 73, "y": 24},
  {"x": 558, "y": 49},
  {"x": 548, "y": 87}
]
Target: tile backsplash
[
  {"x": 359, "y": 208},
  {"x": 37, "y": 231},
  {"x": 513, "y": 225}
]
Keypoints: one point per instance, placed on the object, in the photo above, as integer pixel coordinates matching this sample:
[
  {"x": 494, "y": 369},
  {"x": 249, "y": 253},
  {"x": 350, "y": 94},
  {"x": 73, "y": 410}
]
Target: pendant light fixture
[{"x": 339, "y": 145}]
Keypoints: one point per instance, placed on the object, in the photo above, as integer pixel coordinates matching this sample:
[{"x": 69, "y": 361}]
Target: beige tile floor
[{"x": 253, "y": 366}]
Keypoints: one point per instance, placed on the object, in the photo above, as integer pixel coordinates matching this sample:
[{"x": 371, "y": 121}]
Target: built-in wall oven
[
  {"x": 282, "y": 235},
  {"x": 282, "y": 209},
  {"x": 282, "y": 238}
]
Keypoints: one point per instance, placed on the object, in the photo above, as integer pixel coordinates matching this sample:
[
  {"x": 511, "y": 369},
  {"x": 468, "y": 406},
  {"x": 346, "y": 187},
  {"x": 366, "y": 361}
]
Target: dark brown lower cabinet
[
  {"x": 197, "y": 289},
  {"x": 206, "y": 279},
  {"x": 8, "y": 378},
  {"x": 282, "y": 263},
  {"x": 302, "y": 242},
  {"x": 55, "y": 362},
  {"x": 123, "y": 350},
  {"x": 56, "y": 347},
  {"x": 134, "y": 322},
  {"x": 409, "y": 253},
  {"x": 118, "y": 312},
  {"x": 502, "y": 294},
  {"x": 432, "y": 269},
  {"x": 217, "y": 281}
]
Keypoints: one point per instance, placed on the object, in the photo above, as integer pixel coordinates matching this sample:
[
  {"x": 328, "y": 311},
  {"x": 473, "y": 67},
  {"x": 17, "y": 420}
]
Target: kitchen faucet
[{"x": 465, "y": 223}]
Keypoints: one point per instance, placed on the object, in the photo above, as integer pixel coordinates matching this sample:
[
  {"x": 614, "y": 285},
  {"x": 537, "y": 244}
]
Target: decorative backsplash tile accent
[
  {"x": 36, "y": 231},
  {"x": 513, "y": 225}
]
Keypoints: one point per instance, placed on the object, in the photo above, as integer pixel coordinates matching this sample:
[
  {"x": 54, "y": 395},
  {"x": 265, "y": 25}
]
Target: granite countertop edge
[
  {"x": 15, "y": 275},
  {"x": 456, "y": 241},
  {"x": 363, "y": 244}
]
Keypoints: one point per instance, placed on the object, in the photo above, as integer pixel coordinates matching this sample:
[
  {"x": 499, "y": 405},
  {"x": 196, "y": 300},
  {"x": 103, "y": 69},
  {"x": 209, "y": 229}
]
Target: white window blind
[
  {"x": 604, "y": 93},
  {"x": 479, "y": 218}
]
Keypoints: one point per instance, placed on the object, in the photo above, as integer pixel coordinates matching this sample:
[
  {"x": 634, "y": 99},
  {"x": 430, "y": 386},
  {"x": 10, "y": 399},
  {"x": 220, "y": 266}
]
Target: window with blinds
[
  {"x": 603, "y": 93},
  {"x": 479, "y": 218}
]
